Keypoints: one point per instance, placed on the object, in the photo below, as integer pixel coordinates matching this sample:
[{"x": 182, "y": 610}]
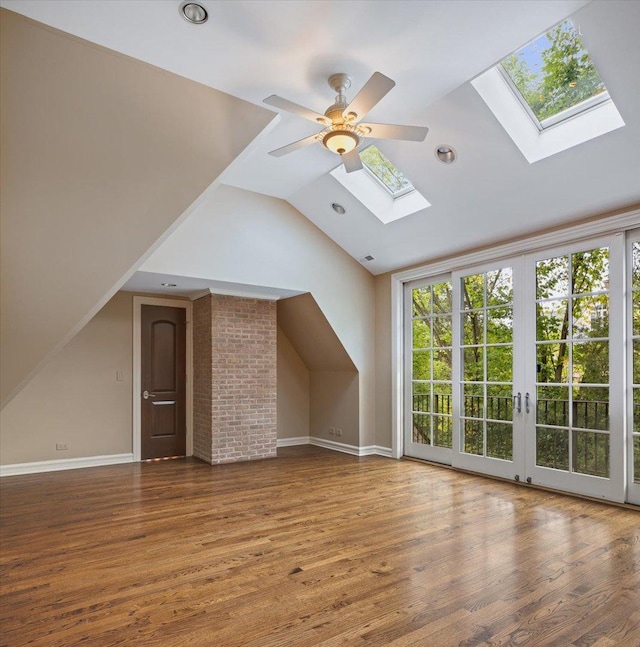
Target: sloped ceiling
[
  {"x": 252, "y": 49},
  {"x": 306, "y": 327},
  {"x": 98, "y": 162}
]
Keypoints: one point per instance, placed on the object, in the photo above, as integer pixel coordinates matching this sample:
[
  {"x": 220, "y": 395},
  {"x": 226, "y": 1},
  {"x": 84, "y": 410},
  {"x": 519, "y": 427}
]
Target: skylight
[
  {"x": 381, "y": 187},
  {"x": 554, "y": 76},
  {"x": 551, "y": 81},
  {"x": 394, "y": 180}
]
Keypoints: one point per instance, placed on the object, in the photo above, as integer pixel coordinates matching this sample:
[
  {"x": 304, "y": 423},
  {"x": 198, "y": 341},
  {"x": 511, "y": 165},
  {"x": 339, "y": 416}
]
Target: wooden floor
[{"x": 313, "y": 548}]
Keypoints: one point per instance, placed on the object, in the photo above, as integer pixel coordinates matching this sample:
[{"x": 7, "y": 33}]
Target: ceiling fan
[{"x": 342, "y": 129}]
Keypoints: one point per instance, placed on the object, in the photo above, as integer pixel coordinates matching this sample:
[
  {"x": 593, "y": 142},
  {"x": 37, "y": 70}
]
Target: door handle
[
  {"x": 146, "y": 395},
  {"x": 527, "y": 398},
  {"x": 517, "y": 402}
]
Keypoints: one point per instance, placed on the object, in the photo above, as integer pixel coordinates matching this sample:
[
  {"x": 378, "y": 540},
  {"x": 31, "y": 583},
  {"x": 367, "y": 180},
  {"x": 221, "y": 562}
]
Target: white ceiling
[{"x": 254, "y": 48}]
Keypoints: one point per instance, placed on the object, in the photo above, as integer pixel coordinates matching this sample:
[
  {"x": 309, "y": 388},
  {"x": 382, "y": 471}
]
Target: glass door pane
[
  {"x": 487, "y": 325},
  {"x": 428, "y": 427},
  {"x": 568, "y": 441}
]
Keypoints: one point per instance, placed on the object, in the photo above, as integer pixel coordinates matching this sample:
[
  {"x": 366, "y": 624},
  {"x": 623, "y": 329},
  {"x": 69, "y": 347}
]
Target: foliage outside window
[
  {"x": 383, "y": 168},
  {"x": 572, "y": 347},
  {"x": 432, "y": 406},
  {"x": 487, "y": 364},
  {"x": 554, "y": 73}
]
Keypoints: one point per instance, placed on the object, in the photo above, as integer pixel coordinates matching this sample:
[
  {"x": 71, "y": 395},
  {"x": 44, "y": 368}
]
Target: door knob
[{"x": 146, "y": 395}]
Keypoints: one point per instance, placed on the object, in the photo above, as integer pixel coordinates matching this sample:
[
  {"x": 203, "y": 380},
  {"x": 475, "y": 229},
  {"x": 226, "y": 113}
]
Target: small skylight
[
  {"x": 551, "y": 81},
  {"x": 381, "y": 187},
  {"x": 554, "y": 76},
  {"x": 394, "y": 180}
]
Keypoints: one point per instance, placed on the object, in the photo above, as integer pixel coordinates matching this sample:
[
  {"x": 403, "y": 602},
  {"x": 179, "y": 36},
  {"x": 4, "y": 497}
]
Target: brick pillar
[{"x": 234, "y": 379}]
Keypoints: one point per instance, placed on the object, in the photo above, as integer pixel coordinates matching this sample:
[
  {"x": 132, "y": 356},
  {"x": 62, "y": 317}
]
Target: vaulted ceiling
[{"x": 252, "y": 49}]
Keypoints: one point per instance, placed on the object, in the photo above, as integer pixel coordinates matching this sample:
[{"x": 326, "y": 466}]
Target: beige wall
[
  {"x": 76, "y": 398},
  {"x": 244, "y": 237},
  {"x": 100, "y": 155},
  {"x": 334, "y": 403},
  {"x": 293, "y": 391},
  {"x": 383, "y": 361},
  {"x": 333, "y": 378}
]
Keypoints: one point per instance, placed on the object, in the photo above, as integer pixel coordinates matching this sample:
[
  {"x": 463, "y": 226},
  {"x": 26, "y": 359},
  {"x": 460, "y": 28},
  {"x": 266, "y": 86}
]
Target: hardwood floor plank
[{"x": 313, "y": 548}]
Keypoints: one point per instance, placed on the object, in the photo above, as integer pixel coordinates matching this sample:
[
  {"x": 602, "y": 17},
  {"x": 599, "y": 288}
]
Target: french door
[
  {"x": 514, "y": 368},
  {"x": 574, "y": 353},
  {"x": 429, "y": 369},
  {"x": 488, "y": 369}
]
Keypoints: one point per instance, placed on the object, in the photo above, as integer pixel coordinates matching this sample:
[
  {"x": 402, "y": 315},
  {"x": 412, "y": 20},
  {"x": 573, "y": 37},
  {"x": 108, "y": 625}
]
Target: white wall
[{"x": 245, "y": 237}]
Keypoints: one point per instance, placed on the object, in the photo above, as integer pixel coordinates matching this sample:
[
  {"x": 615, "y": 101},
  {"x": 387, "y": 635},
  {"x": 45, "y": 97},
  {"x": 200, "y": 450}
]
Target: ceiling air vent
[{"x": 366, "y": 259}]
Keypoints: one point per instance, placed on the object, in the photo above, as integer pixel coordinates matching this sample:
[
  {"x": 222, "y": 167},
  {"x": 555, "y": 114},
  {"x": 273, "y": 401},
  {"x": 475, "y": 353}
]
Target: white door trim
[{"x": 138, "y": 302}]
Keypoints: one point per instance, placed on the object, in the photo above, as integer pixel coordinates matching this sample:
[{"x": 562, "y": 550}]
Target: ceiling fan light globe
[{"x": 340, "y": 141}]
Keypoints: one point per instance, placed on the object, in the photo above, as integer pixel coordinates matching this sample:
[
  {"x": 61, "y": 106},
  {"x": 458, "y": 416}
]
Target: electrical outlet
[
  {"x": 332, "y": 431},
  {"x": 62, "y": 447},
  {"x": 119, "y": 376},
  {"x": 338, "y": 432}
]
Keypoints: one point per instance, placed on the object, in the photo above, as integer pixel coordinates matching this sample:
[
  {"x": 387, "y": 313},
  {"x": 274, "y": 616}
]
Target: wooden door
[{"x": 163, "y": 371}]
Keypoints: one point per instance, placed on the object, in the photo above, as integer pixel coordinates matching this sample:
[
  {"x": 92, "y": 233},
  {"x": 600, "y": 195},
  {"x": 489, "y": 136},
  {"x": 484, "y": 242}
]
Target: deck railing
[
  {"x": 590, "y": 449},
  {"x": 587, "y": 414}
]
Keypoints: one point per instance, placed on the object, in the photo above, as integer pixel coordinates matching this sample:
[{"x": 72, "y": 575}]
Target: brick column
[{"x": 234, "y": 379}]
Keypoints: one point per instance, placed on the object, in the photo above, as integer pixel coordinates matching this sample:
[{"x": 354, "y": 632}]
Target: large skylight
[
  {"x": 551, "y": 81},
  {"x": 394, "y": 180},
  {"x": 554, "y": 76}
]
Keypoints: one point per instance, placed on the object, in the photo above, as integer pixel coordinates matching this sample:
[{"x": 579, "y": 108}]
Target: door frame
[{"x": 138, "y": 302}]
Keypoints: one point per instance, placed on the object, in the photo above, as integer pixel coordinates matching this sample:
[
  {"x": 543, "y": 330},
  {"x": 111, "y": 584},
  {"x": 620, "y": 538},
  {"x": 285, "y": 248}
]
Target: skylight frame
[
  {"x": 568, "y": 113},
  {"x": 376, "y": 198},
  {"x": 560, "y": 117},
  {"x": 579, "y": 124},
  {"x": 379, "y": 181}
]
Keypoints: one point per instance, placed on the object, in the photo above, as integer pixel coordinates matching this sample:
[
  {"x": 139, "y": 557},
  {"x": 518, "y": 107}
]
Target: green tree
[{"x": 568, "y": 76}]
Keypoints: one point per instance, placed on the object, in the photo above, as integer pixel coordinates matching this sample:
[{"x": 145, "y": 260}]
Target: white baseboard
[
  {"x": 290, "y": 442},
  {"x": 64, "y": 464},
  {"x": 350, "y": 449},
  {"x": 116, "y": 459},
  {"x": 376, "y": 450}
]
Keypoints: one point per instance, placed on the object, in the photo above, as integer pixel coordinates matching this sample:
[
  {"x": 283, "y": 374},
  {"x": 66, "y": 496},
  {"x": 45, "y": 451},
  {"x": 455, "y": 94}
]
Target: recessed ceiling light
[
  {"x": 338, "y": 208},
  {"x": 446, "y": 154},
  {"x": 169, "y": 285},
  {"x": 193, "y": 13}
]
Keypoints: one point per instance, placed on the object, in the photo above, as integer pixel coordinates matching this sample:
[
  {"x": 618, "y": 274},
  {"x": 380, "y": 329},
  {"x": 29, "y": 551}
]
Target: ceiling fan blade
[
  {"x": 372, "y": 91},
  {"x": 295, "y": 109},
  {"x": 352, "y": 161},
  {"x": 289, "y": 148},
  {"x": 390, "y": 131}
]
